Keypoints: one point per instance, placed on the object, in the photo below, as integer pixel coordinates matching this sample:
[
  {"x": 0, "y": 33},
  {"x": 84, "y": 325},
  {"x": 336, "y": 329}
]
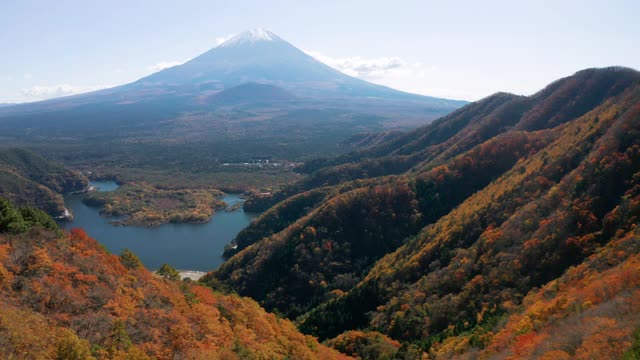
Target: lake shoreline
[{"x": 192, "y": 247}]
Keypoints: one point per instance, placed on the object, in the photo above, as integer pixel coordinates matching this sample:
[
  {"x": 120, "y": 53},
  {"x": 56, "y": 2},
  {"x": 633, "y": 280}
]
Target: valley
[
  {"x": 479, "y": 234},
  {"x": 172, "y": 189}
]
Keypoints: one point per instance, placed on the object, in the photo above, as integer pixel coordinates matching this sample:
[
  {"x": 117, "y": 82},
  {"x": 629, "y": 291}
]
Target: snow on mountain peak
[{"x": 251, "y": 36}]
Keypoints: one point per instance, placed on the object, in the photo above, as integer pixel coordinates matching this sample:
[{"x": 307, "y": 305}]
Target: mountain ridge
[{"x": 504, "y": 196}]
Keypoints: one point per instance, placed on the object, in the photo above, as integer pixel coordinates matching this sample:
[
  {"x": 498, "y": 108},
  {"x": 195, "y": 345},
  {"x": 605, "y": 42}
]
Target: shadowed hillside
[{"x": 28, "y": 179}]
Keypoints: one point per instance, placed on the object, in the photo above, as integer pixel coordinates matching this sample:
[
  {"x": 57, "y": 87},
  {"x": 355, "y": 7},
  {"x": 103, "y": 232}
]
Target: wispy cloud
[
  {"x": 40, "y": 92},
  {"x": 392, "y": 71},
  {"x": 164, "y": 65},
  {"x": 373, "y": 68}
]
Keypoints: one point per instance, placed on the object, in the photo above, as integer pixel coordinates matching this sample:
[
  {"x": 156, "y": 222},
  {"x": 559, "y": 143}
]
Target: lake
[
  {"x": 104, "y": 185},
  {"x": 184, "y": 246}
]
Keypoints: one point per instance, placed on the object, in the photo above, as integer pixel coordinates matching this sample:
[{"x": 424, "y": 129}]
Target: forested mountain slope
[
  {"x": 442, "y": 237},
  {"x": 28, "y": 179},
  {"x": 479, "y": 121},
  {"x": 64, "y": 297}
]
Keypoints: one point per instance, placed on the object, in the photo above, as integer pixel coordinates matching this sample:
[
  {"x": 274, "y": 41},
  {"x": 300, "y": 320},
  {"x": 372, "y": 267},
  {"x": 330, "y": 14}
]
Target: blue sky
[{"x": 455, "y": 49}]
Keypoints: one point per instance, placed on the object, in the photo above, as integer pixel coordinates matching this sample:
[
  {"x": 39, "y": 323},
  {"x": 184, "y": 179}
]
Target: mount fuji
[
  {"x": 254, "y": 85},
  {"x": 261, "y": 56}
]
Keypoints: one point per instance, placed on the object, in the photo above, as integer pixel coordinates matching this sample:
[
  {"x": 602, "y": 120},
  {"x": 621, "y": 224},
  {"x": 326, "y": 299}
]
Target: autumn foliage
[
  {"x": 524, "y": 242},
  {"x": 63, "y": 296},
  {"x": 506, "y": 230}
]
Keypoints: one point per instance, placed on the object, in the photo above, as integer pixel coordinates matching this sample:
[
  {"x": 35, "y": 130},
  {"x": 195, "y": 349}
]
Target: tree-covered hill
[
  {"x": 63, "y": 296},
  {"x": 450, "y": 238},
  {"x": 28, "y": 179}
]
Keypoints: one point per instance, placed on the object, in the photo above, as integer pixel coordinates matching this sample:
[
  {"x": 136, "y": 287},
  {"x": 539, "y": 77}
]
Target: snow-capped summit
[{"x": 251, "y": 36}]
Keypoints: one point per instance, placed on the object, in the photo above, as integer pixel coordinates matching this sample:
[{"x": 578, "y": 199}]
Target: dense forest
[
  {"x": 507, "y": 229},
  {"x": 28, "y": 179},
  {"x": 65, "y": 297}
]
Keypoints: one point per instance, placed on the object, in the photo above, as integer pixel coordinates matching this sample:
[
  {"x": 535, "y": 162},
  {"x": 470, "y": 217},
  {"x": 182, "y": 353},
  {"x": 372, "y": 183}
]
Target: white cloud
[
  {"x": 164, "y": 65},
  {"x": 373, "y": 68},
  {"x": 394, "y": 72},
  {"x": 40, "y": 92},
  {"x": 27, "y": 76}
]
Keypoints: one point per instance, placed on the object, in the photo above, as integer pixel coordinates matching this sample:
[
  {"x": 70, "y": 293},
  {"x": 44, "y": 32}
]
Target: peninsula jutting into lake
[{"x": 186, "y": 246}]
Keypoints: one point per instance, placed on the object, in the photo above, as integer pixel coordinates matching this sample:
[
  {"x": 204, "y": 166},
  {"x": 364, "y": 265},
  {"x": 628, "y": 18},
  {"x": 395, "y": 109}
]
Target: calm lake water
[
  {"x": 104, "y": 185},
  {"x": 184, "y": 246}
]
